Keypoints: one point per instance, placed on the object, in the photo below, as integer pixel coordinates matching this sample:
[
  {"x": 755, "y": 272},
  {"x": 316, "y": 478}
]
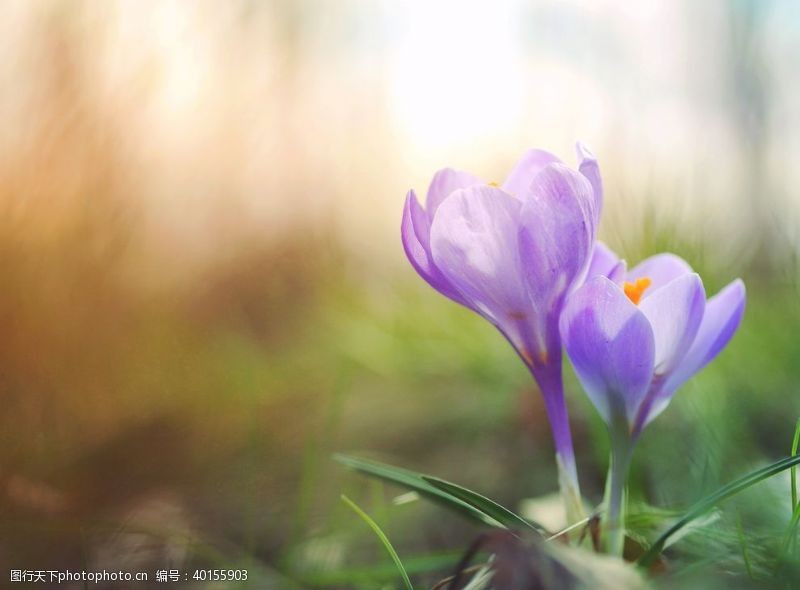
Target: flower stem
[
  {"x": 570, "y": 492},
  {"x": 551, "y": 384},
  {"x": 615, "y": 495}
]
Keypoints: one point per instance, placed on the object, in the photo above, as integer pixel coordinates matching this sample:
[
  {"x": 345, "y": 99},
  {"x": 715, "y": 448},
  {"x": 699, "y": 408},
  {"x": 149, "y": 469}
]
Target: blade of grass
[
  {"x": 795, "y": 443},
  {"x": 707, "y": 503},
  {"x": 487, "y": 506},
  {"x": 383, "y": 539},
  {"x": 790, "y": 539},
  {"x": 791, "y": 532},
  {"x": 415, "y": 482}
]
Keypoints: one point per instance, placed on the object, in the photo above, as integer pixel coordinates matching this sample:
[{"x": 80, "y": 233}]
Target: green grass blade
[
  {"x": 791, "y": 532},
  {"x": 416, "y": 482},
  {"x": 795, "y": 442},
  {"x": 489, "y": 507},
  {"x": 383, "y": 538},
  {"x": 707, "y": 503}
]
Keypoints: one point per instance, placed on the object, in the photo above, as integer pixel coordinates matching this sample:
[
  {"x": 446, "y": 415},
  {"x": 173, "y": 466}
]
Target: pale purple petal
[
  {"x": 660, "y": 269},
  {"x": 606, "y": 263},
  {"x": 587, "y": 165},
  {"x": 445, "y": 182},
  {"x": 519, "y": 180},
  {"x": 611, "y": 345},
  {"x": 723, "y": 314},
  {"x": 675, "y": 312},
  {"x": 619, "y": 272},
  {"x": 557, "y": 233},
  {"x": 474, "y": 245},
  {"x": 415, "y": 233}
]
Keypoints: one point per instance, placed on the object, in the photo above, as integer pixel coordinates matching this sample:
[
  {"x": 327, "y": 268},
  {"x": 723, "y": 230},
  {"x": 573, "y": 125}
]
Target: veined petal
[
  {"x": 587, "y": 165},
  {"x": 445, "y": 182},
  {"x": 474, "y": 244},
  {"x": 519, "y": 180},
  {"x": 723, "y": 315},
  {"x": 557, "y": 233},
  {"x": 415, "y": 232},
  {"x": 606, "y": 263},
  {"x": 674, "y": 312},
  {"x": 660, "y": 269},
  {"x": 612, "y": 348}
]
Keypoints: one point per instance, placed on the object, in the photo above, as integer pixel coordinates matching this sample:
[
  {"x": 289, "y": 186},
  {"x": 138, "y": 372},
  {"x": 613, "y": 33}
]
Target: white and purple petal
[
  {"x": 606, "y": 263},
  {"x": 474, "y": 245},
  {"x": 723, "y": 315},
  {"x": 612, "y": 348},
  {"x": 660, "y": 269},
  {"x": 674, "y": 312},
  {"x": 519, "y": 180},
  {"x": 444, "y": 183},
  {"x": 587, "y": 165},
  {"x": 415, "y": 233},
  {"x": 557, "y": 233}
]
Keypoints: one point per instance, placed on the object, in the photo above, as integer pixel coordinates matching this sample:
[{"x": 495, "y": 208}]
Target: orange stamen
[
  {"x": 635, "y": 290},
  {"x": 494, "y": 184}
]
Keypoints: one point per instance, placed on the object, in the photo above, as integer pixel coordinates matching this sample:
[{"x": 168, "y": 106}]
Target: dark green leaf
[
  {"x": 488, "y": 507},
  {"x": 455, "y": 501},
  {"x": 415, "y": 482}
]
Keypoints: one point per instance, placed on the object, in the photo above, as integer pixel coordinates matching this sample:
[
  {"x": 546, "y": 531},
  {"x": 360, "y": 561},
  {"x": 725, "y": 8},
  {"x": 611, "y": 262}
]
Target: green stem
[
  {"x": 793, "y": 472},
  {"x": 621, "y": 447},
  {"x": 570, "y": 493}
]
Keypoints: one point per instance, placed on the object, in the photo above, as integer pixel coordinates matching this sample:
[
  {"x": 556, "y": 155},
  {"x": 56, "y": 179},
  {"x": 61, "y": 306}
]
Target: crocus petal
[
  {"x": 605, "y": 263},
  {"x": 587, "y": 165},
  {"x": 519, "y": 180},
  {"x": 612, "y": 348},
  {"x": 675, "y": 312},
  {"x": 660, "y": 269},
  {"x": 444, "y": 183},
  {"x": 557, "y": 232},
  {"x": 474, "y": 244},
  {"x": 415, "y": 233},
  {"x": 723, "y": 315}
]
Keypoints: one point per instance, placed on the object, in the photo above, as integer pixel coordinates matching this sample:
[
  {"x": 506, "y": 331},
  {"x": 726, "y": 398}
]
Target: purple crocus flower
[
  {"x": 634, "y": 338},
  {"x": 512, "y": 253}
]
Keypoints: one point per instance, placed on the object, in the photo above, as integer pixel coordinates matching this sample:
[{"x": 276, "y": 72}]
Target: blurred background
[{"x": 203, "y": 293}]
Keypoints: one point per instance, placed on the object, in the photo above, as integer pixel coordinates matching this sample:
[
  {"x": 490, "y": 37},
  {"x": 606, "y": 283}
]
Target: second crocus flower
[{"x": 634, "y": 340}]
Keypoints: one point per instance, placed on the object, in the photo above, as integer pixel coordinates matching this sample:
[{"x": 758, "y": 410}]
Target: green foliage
[
  {"x": 793, "y": 472},
  {"x": 709, "y": 502},
  {"x": 488, "y": 507},
  {"x": 383, "y": 539},
  {"x": 460, "y": 499}
]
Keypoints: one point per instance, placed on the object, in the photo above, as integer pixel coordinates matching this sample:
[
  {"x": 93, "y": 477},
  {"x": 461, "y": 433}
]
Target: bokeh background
[{"x": 203, "y": 293}]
